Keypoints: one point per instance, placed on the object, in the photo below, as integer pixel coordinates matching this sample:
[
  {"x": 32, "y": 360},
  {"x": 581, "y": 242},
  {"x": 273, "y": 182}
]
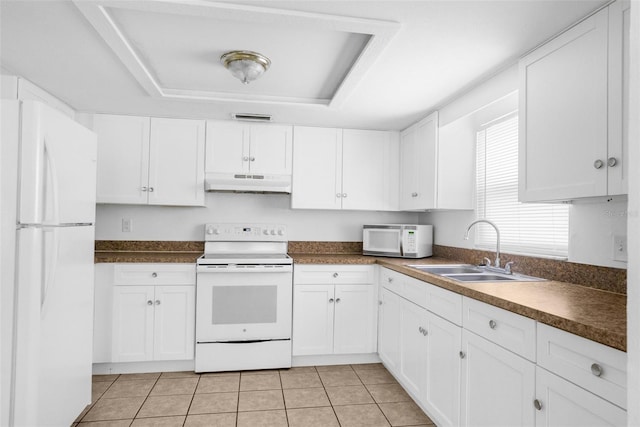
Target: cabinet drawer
[
  {"x": 391, "y": 280},
  {"x": 594, "y": 366},
  {"x": 154, "y": 274},
  {"x": 415, "y": 291},
  {"x": 333, "y": 274},
  {"x": 444, "y": 303},
  {"x": 509, "y": 330}
]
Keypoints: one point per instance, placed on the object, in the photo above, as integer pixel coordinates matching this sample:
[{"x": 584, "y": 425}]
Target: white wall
[
  {"x": 633, "y": 274},
  {"x": 186, "y": 223}
]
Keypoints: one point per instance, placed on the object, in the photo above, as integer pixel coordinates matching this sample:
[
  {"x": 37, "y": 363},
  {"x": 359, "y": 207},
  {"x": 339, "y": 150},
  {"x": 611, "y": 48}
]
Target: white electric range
[{"x": 244, "y": 293}]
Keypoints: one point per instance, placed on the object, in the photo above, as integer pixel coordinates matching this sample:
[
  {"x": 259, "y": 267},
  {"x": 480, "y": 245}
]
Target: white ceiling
[{"x": 352, "y": 64}]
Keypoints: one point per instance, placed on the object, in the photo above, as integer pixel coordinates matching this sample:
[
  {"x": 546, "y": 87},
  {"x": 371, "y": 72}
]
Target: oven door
[{"x": 238, "y": 303}]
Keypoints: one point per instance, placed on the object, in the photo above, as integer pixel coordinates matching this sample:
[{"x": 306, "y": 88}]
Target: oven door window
[{"x": 244, "y": 304}]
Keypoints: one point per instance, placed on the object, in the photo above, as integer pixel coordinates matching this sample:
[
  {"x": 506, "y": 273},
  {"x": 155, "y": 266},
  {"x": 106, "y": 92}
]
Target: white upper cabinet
[
  {"x": 344, "y": 169},
  {"x": 237, "y": 148},
  {"x": 176, "y": 166},
  {"x": 435, "y": 174},
  {"x": 150, "y": 161},
  {"x": 571, "y": 112}
]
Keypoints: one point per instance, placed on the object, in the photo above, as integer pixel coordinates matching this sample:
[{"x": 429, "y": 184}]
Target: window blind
[{"x": 537, "y": 229}]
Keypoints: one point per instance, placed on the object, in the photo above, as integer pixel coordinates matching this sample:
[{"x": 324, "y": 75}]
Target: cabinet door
[
  {"x": 443, "y": 364},
  {"x": 174, "y": 322},
  {"x": 176, "y": 162},
  {"x": 565, "y": 404},
  {"x": 270, "y": 151},
  {"x": 365, "y": 169},
  {"x": 418, "y": 155},
  {"x": 619, "y": 51},
  {"x": 497, "y": 386},
  {"x": 123, "y": 158},
  {"x": 414, "y": 342},
  {"x": 317, "y": 168},
  {"x": 313, "y": 307},
  {"x": 227, "y": 147},
  {"x": 563, "y": 115},
  {"x": 389, "y": 330},
  {"x": 354, "y": 319},
  {"x": 132, "y": 323}
]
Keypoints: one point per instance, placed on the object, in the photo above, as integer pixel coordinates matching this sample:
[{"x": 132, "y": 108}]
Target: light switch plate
[{"x": 620, "y": 248}]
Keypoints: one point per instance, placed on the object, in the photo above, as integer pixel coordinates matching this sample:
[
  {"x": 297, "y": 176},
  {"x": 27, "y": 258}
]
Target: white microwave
[{"x": 397, "y": 240}]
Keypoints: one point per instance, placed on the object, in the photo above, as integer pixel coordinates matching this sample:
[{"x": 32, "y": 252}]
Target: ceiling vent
[{"x": 252, "y": 117}]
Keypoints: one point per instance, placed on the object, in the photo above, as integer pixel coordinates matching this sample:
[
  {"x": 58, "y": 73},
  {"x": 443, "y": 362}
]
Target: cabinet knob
[
  {"x": 149, "y": 302},
  {"x": 157, "y": 302},
  {"x": 420, "y": 329},
  {"x": 596, "y": 370},
  {"x": 144, "y": 189},
  {"x": 492, "y": 324},
  {"x": 245, "y": 158},
  {"x": 612, "y": 161},
  {"x": 338, "y": 195},
  {"x": 462, "y": 355},
  {"x": 330, "y": 300},
  {"x": 537, "y": 404},
  {"x": 337, "y": 300},
  {"x": 344, "y": 194},
  {"x": 380, "y": 302},
  {"x": 335, "y": 275},
  {"x": 414, "y": 194},
  {"x": 390, "y": 279},
  {"x": 252, "y": 159},
  {"x": 154, "y": 274},
  {"x": 598, "y": 164},
  {"x": 150, "y": 189}
]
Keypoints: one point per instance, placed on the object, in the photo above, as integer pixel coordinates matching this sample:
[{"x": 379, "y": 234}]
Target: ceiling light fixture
[{"x": 245, "y": 65}]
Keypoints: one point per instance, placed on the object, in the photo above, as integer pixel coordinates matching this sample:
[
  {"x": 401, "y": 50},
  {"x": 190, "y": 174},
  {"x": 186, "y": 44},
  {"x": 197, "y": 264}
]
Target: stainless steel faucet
[{"x": 466, "y": 237}]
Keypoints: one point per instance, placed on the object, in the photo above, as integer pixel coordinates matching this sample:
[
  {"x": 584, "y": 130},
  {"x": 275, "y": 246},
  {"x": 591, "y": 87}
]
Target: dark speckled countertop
[{"x": 596, "y": 314}]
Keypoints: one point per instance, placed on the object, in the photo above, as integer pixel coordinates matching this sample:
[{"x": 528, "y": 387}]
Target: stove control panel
[{"x": 245, "y": 232}]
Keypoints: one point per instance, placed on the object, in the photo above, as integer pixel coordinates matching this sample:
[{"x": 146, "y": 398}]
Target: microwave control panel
[{"x": 410, "y": 244}]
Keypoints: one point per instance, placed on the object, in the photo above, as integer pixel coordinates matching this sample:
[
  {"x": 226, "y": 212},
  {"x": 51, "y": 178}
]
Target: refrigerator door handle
[
  {"x": 51, "y": 185},
  {"x": 50, "y": 263}
]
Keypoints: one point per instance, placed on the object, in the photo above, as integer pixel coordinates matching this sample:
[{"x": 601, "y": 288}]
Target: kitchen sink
[
  {"x": 472, "y": 273},
  {"x": 448, "y": 269}
]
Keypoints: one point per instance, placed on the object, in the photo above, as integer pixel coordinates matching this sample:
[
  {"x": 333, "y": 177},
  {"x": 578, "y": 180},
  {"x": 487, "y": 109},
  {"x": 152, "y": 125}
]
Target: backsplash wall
[
  {"x": 592, "y": 226},
  {"x": 186, "y": 223}
]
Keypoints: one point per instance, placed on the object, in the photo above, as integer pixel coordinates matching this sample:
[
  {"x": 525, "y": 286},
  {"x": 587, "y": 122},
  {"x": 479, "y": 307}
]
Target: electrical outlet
[
  {"x": 127, "y": 225},
  {"x": 620, "y": 248}
]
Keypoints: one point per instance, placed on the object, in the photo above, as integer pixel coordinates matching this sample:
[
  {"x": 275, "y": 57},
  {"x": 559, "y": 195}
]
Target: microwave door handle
[{"x": 401, "y": 242}]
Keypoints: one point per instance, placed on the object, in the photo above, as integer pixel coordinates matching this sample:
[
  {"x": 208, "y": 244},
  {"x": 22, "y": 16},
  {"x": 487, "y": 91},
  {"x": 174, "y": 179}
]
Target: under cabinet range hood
[{"x": 247, "y": 183}]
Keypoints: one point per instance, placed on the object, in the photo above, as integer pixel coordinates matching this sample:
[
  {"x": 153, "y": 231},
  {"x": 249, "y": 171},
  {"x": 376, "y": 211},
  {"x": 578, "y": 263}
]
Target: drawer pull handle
[
  {"x": 335, "y": 275},
  {"x": 462, "y": 355},
  {"x": 154, "y": 274},
  {"x": 492, "y": 324},
  {"x": 149, "y": 302},
  {"x": 537, "y": 404},
  {"x": 596, "y": 370}
]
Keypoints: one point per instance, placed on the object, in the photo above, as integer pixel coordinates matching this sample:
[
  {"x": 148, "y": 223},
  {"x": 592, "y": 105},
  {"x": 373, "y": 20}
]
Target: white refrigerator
[{"x": 48, "y": 200}]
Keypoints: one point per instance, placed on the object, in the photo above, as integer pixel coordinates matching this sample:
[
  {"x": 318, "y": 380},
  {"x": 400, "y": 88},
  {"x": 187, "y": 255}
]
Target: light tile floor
[{"x": 340, "y": 395}]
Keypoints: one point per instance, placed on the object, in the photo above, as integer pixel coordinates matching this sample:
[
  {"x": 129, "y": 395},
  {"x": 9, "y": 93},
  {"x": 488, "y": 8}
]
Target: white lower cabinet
[
  {"x": 334, "y": 310},
  {"x": 414, "y": 346},
  {"x": 561, "y": 403},
  {"x": 144, "y": 312},
  {"x": 497, "y": 385}
]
